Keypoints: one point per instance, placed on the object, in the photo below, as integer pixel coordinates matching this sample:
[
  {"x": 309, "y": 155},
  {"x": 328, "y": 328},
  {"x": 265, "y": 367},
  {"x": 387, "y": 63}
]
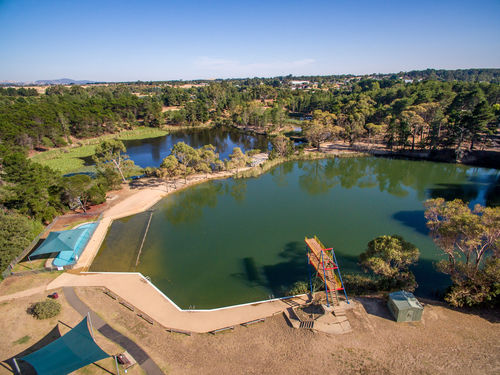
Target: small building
[{"x": 405, "y": 307}]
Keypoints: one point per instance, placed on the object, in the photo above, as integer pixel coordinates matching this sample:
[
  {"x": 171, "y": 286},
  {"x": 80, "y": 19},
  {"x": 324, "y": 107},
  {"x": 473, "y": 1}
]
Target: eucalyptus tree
[
  {"x": 237, "y": 159},
  {"x": 470, "y": 239},
  {"x": 111, "y": 153},
  {"x": 390, "y": 258}
]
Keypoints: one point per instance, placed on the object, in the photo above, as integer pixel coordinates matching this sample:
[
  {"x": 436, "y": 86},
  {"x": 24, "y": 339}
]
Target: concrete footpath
[
  {"x": 135, "y": 350},
  {"x": 137, "y": 291}
]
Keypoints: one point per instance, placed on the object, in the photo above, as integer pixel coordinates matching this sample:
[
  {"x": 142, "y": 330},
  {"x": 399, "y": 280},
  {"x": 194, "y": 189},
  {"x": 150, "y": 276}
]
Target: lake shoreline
[
  {"x": 151, "y": 190},
  {"x": 67, "y": 159},
  {"x": 479, "y": 158}
]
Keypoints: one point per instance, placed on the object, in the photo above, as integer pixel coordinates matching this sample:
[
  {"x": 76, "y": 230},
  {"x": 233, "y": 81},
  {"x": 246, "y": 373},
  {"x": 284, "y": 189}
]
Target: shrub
[
  {"x": 356, "y": 284},
  {"x": 60, "y": 142},
  {"x": 97, "y": 194},
  {"x": 304, "y": 287},
  {"x": 299, "y": 287},
  {"x": 253, "y": 152},
  {"x": 46, "y": 142},
  {"x": 46, "y": 309}
]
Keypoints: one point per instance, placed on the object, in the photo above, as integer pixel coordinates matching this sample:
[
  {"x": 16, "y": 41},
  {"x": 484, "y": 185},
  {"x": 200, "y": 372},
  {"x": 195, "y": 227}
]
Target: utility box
[{"x": 405, "y": 307}]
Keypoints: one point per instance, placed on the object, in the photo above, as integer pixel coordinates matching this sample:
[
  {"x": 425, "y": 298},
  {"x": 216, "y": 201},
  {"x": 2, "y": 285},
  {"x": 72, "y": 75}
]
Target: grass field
[{"x": 69, "y": 159}]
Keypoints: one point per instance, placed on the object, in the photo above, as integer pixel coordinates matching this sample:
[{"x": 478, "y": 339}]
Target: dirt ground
[
  {"x": 20, "y": 331},
  {"x": 15, "y": 284},
  {"x": 444, "y": 342}
]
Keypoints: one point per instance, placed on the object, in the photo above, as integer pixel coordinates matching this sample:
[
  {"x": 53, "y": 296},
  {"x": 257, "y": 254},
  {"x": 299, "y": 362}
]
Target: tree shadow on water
[
  {"x": 278, "y": 278},
  {"x": 465, "y": 192},
  {"x": 412, "y": 219}
]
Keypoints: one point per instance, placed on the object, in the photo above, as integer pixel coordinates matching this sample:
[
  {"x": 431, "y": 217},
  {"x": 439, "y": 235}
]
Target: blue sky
[{"x": 161, "y": 40}]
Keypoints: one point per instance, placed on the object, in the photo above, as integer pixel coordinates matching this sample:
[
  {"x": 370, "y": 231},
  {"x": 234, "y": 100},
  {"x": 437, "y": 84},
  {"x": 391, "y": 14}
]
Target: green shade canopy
[
  {"x": 72, "y": 351},
  {"x": 56, "y": 242}
]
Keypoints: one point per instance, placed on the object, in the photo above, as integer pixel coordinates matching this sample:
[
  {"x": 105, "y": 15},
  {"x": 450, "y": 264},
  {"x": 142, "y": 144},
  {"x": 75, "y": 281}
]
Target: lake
[
  {"x": 150, "y": 152},
  {"x": 235, "y": 241}
]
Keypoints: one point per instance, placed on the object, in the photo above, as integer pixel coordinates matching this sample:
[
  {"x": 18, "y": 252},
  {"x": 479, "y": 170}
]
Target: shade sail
[
  {"x": 72, "y": 351},
  {"x": 56, "y": 242}
]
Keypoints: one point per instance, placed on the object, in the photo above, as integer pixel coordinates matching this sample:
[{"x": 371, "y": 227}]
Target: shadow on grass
[
  {"x": 25, "y": 367},
  {"x": 376, "y": 306}
]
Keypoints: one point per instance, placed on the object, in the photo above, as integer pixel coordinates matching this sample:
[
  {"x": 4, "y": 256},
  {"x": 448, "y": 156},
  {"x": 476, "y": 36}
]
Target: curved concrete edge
[
  {"x": 191, "y": 310},
  {"x": 139, "y": 292}
]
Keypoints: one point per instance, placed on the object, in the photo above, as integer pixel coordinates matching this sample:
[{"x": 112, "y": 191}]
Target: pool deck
[{"x": 134, "y": 289}]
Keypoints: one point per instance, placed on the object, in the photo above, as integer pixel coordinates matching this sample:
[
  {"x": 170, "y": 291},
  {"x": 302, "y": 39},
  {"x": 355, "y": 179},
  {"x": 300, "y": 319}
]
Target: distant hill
[
  {"x": 43, "y": 82},
  {"x": 62, "y": 81}
]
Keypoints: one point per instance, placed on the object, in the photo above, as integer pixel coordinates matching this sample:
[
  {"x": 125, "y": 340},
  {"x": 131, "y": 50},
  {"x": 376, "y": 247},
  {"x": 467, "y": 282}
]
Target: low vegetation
[
  {"x": 71, "y": 159},
  {"x": 45, "y": 309},
  {"x": 22, "y": 340}
]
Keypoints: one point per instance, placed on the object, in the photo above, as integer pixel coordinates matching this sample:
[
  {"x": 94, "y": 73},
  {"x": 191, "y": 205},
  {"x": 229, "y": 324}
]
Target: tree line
[
  {"x": 426, "y": 115},
  {"x": 62, "y": 113}
]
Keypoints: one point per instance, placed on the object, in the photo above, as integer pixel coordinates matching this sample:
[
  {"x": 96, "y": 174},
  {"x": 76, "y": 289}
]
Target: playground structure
[{"x": 324, "y": 262}]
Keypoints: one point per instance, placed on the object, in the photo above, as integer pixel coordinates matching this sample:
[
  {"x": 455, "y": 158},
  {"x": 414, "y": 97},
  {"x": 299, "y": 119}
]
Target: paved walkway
[
  {"x": 136, "y": 290},
  {"x": 135, "y": 350}
]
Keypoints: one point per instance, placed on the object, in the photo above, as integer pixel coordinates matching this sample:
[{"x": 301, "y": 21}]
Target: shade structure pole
[
  {"x": 16, "y": 365},
  {"x": 116, "y": 363},
  {"x": 91, "y": 328}
]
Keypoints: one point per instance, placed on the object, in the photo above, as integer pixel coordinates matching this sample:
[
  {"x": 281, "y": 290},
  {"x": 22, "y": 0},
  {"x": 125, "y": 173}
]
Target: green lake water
[{"x": 236, "y": 241}]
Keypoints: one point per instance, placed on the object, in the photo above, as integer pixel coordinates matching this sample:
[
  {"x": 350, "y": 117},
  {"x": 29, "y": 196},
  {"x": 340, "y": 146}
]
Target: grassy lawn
[
  {"x": 26, "y": 265},
  {"x": 70, "y": 159}
]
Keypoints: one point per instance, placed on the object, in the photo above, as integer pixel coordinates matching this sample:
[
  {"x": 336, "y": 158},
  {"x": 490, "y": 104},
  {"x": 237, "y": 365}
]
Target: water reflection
[
  {"x": 188, "y": 207},
  {"x": 469, "y": 184},
  {"x": 151, "y": 151}
]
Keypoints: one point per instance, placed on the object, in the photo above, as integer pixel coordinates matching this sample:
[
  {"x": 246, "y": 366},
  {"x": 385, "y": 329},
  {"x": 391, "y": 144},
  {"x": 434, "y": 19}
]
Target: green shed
[{"x": 405, "y": 307}]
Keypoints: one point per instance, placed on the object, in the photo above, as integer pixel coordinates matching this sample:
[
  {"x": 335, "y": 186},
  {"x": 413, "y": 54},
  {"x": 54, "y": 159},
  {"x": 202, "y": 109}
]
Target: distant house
[{"x": 299, "y": 84}]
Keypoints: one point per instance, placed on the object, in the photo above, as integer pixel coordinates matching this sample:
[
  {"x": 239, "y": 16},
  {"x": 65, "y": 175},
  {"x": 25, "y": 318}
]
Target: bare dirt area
[
  {"x": 444, "y": 342},
  {"x": 21, "y": 333},
  {"x": 16, "y": 284},
  {"x": 170, "y": 108}
]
